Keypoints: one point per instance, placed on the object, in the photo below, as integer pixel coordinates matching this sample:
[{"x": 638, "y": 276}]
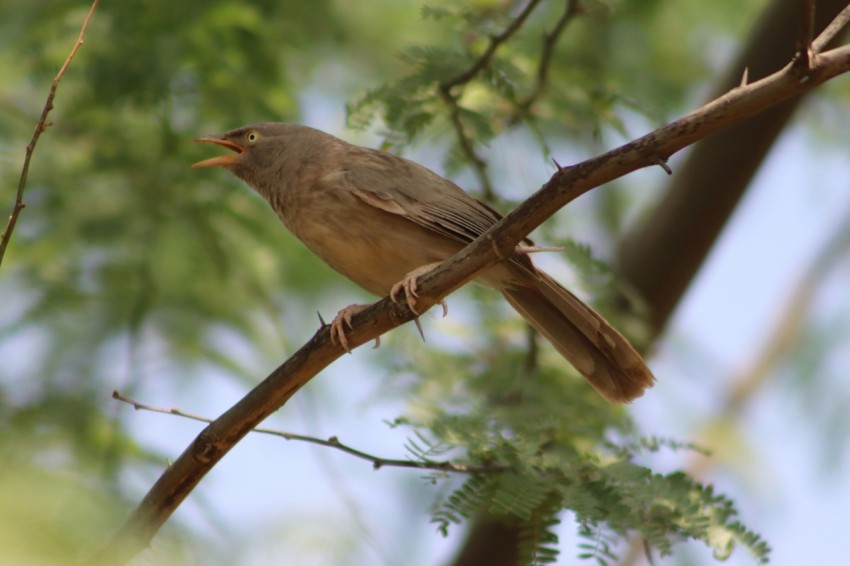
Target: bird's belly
[{"x": 374, "y": 249}]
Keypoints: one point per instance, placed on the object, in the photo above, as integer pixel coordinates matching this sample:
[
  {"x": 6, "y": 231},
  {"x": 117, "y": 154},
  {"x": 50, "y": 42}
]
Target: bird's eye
[{"x": 252, "y": 137}]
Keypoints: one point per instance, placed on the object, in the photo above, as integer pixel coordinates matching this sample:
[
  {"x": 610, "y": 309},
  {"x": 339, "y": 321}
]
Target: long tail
[{"x": 594, "y": 347}]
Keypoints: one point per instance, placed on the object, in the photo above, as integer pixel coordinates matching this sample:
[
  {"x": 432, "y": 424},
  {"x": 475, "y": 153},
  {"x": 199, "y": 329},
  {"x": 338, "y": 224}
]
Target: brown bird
[{"x": 382, "y": 221}]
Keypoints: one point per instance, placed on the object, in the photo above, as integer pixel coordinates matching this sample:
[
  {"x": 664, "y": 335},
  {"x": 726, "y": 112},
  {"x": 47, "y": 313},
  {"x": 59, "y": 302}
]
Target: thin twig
[
  {"x": 832, "y": 30},
  {"x": 495, "y": 42},
  {"x": 42, "y": 125},
  {"x": 332, "y": 442},
  {"x": 467, "y": 146},
  {"x": 550, "y": 40}
]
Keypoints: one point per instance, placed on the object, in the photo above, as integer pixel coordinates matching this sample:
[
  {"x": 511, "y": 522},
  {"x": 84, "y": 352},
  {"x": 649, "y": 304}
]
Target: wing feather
[{"x": 399, "y": 186}]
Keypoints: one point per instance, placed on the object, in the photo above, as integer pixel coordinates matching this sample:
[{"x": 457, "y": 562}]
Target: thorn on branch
[
  {"x": 419, "y": 328},
  {"x": 663, "y": 164}
]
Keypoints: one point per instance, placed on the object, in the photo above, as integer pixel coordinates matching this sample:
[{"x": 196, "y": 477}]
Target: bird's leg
[
  {"x": 409, "y": 286},
  {"x": 343, "y": 319}
]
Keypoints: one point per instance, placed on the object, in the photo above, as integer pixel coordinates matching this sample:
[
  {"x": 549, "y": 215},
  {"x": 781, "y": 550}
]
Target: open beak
[{"x": 228, "y": 160}]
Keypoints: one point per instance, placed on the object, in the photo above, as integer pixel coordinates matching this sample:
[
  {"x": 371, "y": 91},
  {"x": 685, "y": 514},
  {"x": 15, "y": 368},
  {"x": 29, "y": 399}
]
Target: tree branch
[
  {"x": 331, "y": 442},
  {"x": 495, "y": 42},
  {"x": 467, "y": 147},
  {"x": 40, "y": 127},
  {"x": 836, "y": 26},
  {"x": 550, "y": 40},
  {"x": 661, "y": 255},
  {"x": 496, "y": 244}
]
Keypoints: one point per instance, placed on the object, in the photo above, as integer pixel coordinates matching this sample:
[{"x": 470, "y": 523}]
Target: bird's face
[
  {"x": 270, "y": 156},
  {"x": 266, "y": 155},
  {"x": 249, "y": 145}
]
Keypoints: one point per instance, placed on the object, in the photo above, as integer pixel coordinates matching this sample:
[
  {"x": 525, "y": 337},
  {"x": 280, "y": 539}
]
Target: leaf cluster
[
  {"x": 544, "y": 75},
  {"x": 542, "y": 443}
]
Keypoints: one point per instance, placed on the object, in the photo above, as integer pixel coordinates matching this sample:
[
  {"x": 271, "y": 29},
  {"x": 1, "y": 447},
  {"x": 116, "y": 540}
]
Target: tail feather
[{"x": 594, "y": 347}]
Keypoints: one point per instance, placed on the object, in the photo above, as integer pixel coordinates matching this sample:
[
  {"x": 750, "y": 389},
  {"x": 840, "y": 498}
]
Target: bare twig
[
  {"x": 217, "y": 439},
  {"x": 467, "y": 146},
  {"x": 550, "y": 40},
  {"x": 42, "y": 125},
  {"x": 832, "y": 30},
  {"x": 332, "y": 442}
]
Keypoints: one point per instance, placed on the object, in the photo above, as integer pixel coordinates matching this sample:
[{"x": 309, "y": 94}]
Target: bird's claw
[
  {"x": 343, "y": 319},
  {"x": 408, "y": 284},
  {"x": 410, "y": 287}
]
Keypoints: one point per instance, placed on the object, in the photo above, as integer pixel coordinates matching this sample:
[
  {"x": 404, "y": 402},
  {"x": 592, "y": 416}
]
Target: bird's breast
[{"x": 372, "y": 247}]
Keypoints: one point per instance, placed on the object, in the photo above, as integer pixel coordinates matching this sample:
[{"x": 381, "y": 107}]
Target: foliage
[
  {"x": 547, "y": 442},
  {"x": 509, "y": 88}
]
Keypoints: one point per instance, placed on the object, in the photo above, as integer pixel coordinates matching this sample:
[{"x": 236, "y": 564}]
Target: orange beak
[{"x": 227, "y": 160}]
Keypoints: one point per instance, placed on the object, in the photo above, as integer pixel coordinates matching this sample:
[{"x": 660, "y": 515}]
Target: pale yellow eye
[{"x": 252, "y": 137}]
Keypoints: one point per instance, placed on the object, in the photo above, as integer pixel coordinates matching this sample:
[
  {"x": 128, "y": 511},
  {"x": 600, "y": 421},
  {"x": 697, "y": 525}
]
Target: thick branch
[{"x": 497, "y": 243}]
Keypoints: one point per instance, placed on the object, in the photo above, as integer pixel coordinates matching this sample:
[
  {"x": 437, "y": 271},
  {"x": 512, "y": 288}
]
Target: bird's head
[{"x": 254, "y": 147}]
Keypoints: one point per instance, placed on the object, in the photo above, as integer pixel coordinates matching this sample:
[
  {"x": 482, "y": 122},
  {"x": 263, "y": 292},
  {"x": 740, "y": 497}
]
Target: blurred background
[{"x": 128, "y": 270}]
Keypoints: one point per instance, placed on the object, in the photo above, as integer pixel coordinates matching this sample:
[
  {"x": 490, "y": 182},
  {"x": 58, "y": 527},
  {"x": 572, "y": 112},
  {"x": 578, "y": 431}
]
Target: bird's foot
[
  {"x": 409, "y": 285},
  {"x": 343, "y": 319}
]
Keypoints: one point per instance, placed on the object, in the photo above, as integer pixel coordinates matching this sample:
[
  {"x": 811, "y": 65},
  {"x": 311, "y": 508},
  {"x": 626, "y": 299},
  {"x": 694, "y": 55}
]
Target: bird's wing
[{"x": 401, "y": 187}]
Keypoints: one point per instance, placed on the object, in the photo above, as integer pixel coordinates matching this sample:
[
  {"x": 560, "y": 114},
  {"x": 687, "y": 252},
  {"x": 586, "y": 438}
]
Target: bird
[{"x": 382, "y": 221}]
